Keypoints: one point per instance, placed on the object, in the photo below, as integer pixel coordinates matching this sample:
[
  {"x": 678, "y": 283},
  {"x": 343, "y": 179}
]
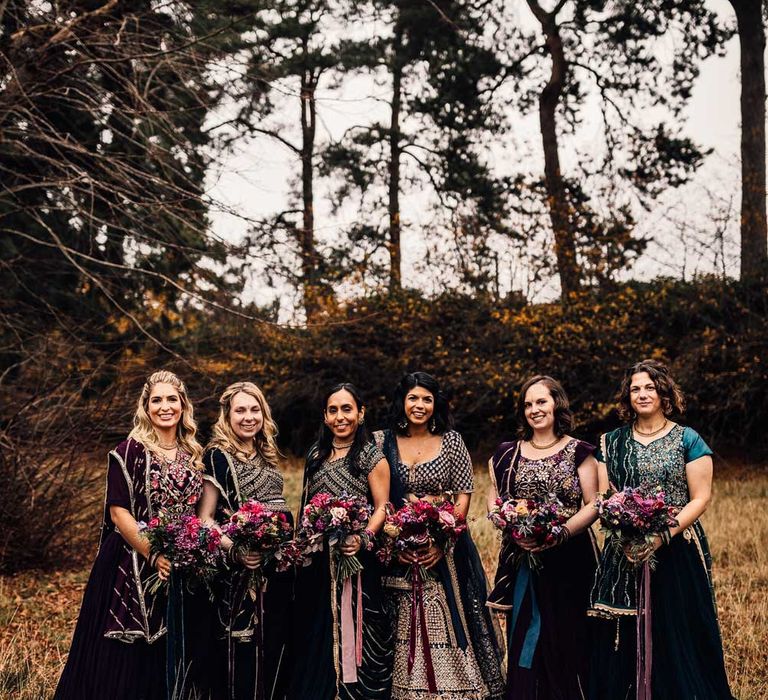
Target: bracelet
[
  {"x": 367, "y": 538},
  {"x": 232, "y": 555},
  {"x": 564, "y": 535},
  {"x": 152, "y": 559},
  {"x": 666, "y": 536}
]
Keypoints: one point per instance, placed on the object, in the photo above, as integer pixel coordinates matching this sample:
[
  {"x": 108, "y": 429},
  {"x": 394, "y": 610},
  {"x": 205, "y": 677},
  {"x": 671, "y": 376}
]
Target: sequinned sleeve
[
  {"x": 370, "y": 457},
  {"x": 694, "y": 445},
  {"x": 462, "y": 478}
]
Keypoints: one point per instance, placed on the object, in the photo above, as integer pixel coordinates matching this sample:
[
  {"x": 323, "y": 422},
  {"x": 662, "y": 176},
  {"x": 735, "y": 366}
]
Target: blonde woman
[
  {"x": 241, "y": 465},
  {"x": 119, "y": 648}
]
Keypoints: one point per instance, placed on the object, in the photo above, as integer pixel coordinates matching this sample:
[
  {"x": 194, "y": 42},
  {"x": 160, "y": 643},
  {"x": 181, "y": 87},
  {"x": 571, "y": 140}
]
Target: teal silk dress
[{"x": 687, "y": 650}]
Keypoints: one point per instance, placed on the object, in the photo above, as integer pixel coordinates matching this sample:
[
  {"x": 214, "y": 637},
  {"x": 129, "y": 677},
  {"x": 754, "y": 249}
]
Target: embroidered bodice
[
  {"x": 336, "y": 476},
  {"x": 661, "y": 462},
  {"x": 554, "y": 475},
  {"x": 450, "y": 471},
  {"x": 258, "y": 480},
  {"x": 175, "y": 485}
]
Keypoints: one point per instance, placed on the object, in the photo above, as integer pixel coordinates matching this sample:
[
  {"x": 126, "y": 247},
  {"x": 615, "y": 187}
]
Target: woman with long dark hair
[
  {"x": 343, "y": 461},
  {"x": 682, "y": 656},
  {"x": 249, "y": 655},
  {"x": 546, "y": 607},
  {"x": 119, "y": 646},
  {"x": 430, "y": 461}
]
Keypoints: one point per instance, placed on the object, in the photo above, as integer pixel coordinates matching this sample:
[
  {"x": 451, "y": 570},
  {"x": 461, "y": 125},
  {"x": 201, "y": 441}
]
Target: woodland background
[{"x": 119, "y": 254}]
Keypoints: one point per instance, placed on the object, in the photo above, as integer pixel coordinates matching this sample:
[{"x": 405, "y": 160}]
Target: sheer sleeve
[
  {"x": 118, "y": 493},
  {"x": 694, "y": 445},
  {"x": 462, "y": 478}
]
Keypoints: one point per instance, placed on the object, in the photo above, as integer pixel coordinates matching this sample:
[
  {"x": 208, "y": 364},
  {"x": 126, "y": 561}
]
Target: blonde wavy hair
[
  {"x": 186, "y": 429},
  {"x": 224, "y": 437}
]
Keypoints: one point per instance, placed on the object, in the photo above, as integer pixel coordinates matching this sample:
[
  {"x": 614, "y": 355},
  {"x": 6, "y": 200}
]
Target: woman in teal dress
[{"x": 682, "y": 654}]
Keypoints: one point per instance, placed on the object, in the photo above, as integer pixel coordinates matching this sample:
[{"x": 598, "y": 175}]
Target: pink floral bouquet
[
  {"x": 538, "y": 519},
  {"x": 333, "y": 519},
  {"x": 418, "y": 525},
  {"x": 256, "y": 528},
  {"x": 632, "y": 517},
  {"x": 189, "y": 544}
]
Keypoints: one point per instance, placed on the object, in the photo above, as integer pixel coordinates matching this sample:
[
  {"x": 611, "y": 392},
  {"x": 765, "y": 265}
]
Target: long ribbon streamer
[
  {"x": 523, "y": 583},
  {"x": 644, "y": 634},
  {"x": 419, "y": 619},
  {"x": 359, "y": 622},
  {"x": 348, "y": 642},
  {"x": 245, "y": 583},
  {"x": 260, "y": 693}
]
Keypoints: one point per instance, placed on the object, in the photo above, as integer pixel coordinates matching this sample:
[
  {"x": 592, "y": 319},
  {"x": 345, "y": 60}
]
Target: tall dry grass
[{"x": 38, "y": 611}]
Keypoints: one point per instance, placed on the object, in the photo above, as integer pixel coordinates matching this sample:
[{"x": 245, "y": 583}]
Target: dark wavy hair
[
  {"x": 672, "y": 397},
  {"x": 323, "y": 446},
  {"x": 443, "y": 419},
  {"x": 563, "y": 414}
]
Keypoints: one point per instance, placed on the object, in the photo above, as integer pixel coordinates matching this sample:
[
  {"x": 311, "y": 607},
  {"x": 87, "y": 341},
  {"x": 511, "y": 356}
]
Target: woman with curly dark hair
[
  {"x": 684, "y": 652},
  {"x": 548, "y": 640},
  {"x": 429, "y": 461}
]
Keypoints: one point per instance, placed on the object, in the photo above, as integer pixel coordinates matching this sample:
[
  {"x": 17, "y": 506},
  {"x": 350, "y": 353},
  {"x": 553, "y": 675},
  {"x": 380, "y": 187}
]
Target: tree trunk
[
  {"x": 754, "y": 232},
  {"x": 393, "y": 242},
  {"x": 565, "y": 244},
  {"x": 307, "y": 250}
]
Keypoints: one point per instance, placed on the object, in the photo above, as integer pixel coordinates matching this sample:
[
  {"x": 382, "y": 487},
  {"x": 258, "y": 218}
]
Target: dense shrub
[{"x": 714, "y": 334}]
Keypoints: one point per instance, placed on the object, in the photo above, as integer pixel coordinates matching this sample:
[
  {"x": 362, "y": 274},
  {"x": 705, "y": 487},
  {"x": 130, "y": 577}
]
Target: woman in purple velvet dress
[
  {"x": 119, "y": 648},
  {"x": 546, "y": 608}
]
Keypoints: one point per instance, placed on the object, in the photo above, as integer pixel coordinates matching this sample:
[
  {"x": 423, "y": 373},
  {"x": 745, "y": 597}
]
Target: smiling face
[
  {"x": 342, "y": 415},
  {"x": 245, "y": 416},
  {"x": 164, "y": 406},
  {"x": 419, "y": 406},
  {"x": 539, "y": 407},
  {"x": 644, "y": 396}
]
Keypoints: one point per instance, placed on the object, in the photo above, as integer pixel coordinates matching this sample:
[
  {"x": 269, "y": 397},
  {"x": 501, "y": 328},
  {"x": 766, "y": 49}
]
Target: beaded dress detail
[
  {"x": 462, "y": 639},
  {"x": 553, "y": 475},
  {"x": 175, "y": 484},
  {"x": 337, "y": 478}
]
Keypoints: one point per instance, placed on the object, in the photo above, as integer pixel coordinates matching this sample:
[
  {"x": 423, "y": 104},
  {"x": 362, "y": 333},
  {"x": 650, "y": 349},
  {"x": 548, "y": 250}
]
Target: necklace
[
  {"x": 168, "y": 447},
  {"x": 544, "y": 447},
  {"x": 653, "y": 432},
  {"x": 341, "y": 445}
]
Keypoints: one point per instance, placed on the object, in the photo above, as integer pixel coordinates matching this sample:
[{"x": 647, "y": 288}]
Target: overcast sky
[{"x": 254, "y": 180}]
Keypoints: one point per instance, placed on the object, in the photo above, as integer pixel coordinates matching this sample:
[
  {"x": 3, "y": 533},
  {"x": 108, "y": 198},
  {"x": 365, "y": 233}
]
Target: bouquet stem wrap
[
  {"x": 524, "y": 583},
  {"x": 644, "y": 635},
  {"x": 419, "y": 620}
]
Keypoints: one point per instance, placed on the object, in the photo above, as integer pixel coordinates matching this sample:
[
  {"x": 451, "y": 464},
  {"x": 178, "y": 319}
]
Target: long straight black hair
[{"x": 323, "y": 446}]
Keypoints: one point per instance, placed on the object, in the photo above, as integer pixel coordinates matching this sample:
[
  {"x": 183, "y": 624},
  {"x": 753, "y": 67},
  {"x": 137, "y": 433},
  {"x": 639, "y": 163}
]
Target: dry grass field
[{"x": 38, "y": 610}]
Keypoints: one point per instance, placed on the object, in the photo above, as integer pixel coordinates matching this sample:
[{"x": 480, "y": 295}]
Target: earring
[
  {"x": 361, "y": 421},
  {"x": 432, "y": 425},
  {"x": 403, "y": 424}
]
